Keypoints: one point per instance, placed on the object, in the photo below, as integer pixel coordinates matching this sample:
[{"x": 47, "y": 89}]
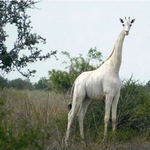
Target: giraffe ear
[
  {"x": 132, "y": 20},
  {"x": 121, "y": 20}
]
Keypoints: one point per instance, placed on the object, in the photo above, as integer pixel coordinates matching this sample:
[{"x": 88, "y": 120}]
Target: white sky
[{"x": 77, "y": 26}]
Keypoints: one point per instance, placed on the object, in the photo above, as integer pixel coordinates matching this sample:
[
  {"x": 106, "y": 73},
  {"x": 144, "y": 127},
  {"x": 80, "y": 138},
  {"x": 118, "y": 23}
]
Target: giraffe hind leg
[
  {"x": 71, "y": 115},
  {"x": 81, "y": 115}
]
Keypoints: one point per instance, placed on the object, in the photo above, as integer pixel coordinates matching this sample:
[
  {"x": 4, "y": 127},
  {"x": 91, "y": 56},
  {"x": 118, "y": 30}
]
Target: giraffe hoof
[
  {"x": 66, "y": 143},
  {"x": 105, "y": 140},
  {"x": 105, "y": 144}
]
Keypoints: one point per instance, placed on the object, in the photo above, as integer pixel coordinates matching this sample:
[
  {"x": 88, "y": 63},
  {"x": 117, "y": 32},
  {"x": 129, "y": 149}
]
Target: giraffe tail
[{"x": 69, "y": 106}]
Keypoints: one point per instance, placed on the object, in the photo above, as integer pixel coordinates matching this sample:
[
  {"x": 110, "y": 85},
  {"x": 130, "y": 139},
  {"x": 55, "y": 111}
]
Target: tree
[
  {"x": 20, "y": 84},
  {"x": 147, "y": 86},
  {"x": 42, "y": 84},
  {"x": 133, "y": 114},
  {"x": 25, "y": 49},
  {"x": 133, "y": 96},
  {"x": 60, "y": 80},
  {"x": 77, "y": 65},
  {"x": 63, "y": 80},
  {"x": 3, "y": 82}
]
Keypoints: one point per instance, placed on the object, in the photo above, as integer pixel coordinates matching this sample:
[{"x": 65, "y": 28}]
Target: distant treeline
[
  {"x": 42, "y": 84},
  {"x": 62, "y": 80},
  {"x": 22, "y": 84}
]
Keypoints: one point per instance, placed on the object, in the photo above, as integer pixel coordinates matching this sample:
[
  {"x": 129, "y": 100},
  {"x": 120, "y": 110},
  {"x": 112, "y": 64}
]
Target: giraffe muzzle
[{"x": 126, "y": 32}]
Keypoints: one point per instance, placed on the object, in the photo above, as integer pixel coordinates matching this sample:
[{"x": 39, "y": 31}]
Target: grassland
[{"x": 33, "y": 120}]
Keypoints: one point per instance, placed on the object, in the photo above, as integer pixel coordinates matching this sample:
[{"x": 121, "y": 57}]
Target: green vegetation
[
  {"x": 30, "y": 120},
  {"x": 38, "y": 120},
  {"x": 25, "y": 49},
  {"x": 61, "y": 81},
  {"x": 34, "y": 116}
]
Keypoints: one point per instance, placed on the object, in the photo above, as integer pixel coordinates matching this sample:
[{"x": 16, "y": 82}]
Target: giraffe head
[{"x": 127, "y": 24}]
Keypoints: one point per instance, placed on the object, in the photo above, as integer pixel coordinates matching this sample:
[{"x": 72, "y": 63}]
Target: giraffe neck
[{"x": 115, "y": 59}]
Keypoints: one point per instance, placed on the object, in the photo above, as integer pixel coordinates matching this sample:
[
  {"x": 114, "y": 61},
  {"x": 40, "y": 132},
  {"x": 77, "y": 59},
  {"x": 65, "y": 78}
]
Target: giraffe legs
[
  {"x": 114, "y": 110},
  {"x": 71, "y": 115},
  {"x": 81, "y": 115},
  {"x": 82, "y": 111},
  {"x": 108, "y": 103}
]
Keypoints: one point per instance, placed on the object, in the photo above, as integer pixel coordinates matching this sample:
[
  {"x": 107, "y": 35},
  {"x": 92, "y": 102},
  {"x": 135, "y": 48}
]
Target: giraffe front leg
[
  {"x": 108, "y": 103},
  {"x": 114, "y": 110}
]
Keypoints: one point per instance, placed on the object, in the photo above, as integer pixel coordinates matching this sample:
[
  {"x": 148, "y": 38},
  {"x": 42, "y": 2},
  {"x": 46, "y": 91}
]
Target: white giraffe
[{"x": 98, "y": 84}]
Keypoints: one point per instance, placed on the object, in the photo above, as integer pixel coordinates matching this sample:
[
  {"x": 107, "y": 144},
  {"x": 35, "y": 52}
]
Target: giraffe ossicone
[{"x": 98, "y": 84}]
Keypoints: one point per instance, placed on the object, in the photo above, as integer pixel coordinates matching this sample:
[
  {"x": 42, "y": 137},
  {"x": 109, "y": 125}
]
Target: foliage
[
  {"x": 133, "y": 95},
  {"x": 60, "y": 80},
  {"x": 94, "y": 120},
  {"x": 133, "y": 114},
  {"x": 20, "y": 84},
  {"x": 124, "y": 135},
  {"x": 9, "y": 141},
  {"x": 25, "y": 50},
  {"x": 77, "y": 65},
  {"x": 42, "y": 84},
  {"x": 63, "y": 80},
  {"x": 29, "y": 120},
  {"x": 148, "y": 85},
  {"x": 3, "y": 82},
  {"x": 38, "y": 120}
]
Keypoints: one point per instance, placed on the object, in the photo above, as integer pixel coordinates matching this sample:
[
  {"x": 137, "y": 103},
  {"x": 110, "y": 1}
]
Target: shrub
[
  {"x": 133, "y": 97},
  {"x": 32, "y": 119},
  {"x": 38, "y": 119},
  {"x": 133, "y": 114}
]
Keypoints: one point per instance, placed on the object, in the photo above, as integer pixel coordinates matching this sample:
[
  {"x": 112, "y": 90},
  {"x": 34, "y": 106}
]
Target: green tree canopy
[
  {"x": 63, "y": 80},
  {"x": 25, "y": 49},
  {"x": 148, "y": 85},
  {"x": 20, "y": 84},
  {"x": 42, "y": 84},
  {"x": 3, "y": 82}
]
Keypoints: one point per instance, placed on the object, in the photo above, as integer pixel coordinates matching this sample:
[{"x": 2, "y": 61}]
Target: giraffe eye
[{"x": 122, "y": 24}]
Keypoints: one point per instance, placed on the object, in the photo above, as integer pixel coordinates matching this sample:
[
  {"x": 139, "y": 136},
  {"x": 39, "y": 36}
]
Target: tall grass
[
  {"x": 34, "y": 116},
  {"x": 31, "y": 120}
]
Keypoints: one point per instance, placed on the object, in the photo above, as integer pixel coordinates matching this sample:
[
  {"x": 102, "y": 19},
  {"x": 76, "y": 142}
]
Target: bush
[
  {"x": 133, "y": 114},
  {"x": 134, "y": 100},
  {"x": 124, "y": 135},
  {"x": 38, "y": 119},
  {"x": 61, "y": 81},
  {"x": 94, "y": 120},
  {"x": 31, "y": 119},
  {"x": 20, "y": 84}
]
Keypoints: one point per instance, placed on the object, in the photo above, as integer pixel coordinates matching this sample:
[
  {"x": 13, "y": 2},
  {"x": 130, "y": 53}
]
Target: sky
[{"x": 77, "y": 26}]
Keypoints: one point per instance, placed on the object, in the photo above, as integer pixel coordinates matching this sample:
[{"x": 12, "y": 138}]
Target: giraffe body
[{"x": 98, "y": 84}]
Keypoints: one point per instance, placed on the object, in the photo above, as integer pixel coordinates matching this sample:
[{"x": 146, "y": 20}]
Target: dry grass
[
  {"x": 35, "y": 110},
  {"x": 44, "y": 114}
]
